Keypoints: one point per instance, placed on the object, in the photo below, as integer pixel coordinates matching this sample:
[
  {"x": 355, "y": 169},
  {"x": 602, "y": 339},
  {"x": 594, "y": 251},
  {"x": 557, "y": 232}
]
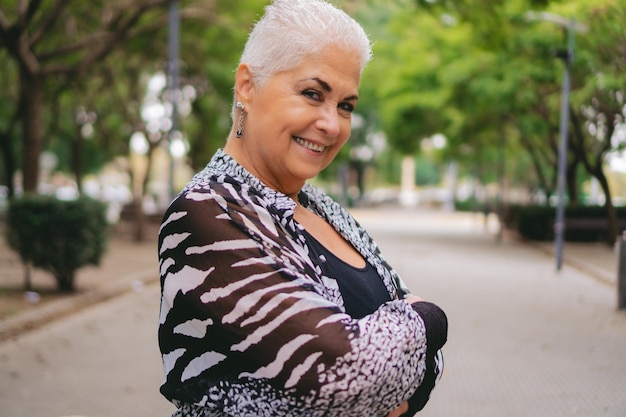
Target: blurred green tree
[
  {"x": 484, "y": 75},
  {"x": 61, "y": 41}
]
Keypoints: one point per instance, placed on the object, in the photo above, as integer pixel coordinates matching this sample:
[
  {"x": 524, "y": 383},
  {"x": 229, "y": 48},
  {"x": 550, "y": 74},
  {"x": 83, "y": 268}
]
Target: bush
[
  {"x": 535, "y": 222},
  {"x": 582, "y": 224},
  {"x": 57, "y": 236}
]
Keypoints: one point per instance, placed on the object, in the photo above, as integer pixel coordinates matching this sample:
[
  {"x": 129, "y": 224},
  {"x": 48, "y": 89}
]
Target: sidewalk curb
[
  {"x": 594, "y": 272},
  {"x": 19, "y": 324}
]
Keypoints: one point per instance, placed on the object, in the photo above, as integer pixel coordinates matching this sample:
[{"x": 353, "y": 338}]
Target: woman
[{"x": 275, "y": 302}]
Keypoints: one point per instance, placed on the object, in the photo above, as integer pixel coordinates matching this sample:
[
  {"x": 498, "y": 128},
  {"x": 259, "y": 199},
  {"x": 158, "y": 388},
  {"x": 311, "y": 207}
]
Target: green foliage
[
  {"x": 211, "y": 46},
  {"x": 57, "y": 236},
  {"x": 485, "y": 75},
  {"x": 477, "y": 71}
]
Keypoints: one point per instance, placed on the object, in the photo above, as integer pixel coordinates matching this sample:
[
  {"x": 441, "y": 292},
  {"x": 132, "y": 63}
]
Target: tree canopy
[
  {"x": 482, "y": 73},
  {"x": 488, "y": 75}
]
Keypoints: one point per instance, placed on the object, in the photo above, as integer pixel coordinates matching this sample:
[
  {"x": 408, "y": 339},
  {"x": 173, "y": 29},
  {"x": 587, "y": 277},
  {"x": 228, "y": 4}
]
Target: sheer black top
[{"x": 361, "y": 288}]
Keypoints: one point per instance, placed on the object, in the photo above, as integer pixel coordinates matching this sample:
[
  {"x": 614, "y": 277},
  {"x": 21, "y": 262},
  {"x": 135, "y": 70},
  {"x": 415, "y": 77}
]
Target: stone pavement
[{"x": 524, "y": 339}]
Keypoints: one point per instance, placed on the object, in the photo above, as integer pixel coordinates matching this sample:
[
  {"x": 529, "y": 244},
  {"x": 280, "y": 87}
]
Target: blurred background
[
  {"x": 482, "y": 105},
  {"x": 477, "y": 119}
]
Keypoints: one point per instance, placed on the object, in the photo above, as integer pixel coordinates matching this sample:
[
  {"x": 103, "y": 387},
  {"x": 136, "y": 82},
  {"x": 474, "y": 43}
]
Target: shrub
[
  {"x": 535, "y": 222},
  {"x": 582, "y": 224},
  {"x": 57, "y": 236}
]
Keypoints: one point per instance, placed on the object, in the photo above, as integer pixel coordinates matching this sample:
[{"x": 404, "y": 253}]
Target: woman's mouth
[{"x": 309, "y": 145}]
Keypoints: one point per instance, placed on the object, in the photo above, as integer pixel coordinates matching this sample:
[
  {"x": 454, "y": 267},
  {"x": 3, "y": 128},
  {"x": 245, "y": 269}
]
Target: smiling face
[{"x": 297, "y": 121}]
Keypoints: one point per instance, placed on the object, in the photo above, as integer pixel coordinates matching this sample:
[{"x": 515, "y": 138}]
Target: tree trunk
[
  {"x": 610, "y": 208},
  {"x": 65, "y": 282},
  {"x": 572, "y": 187},
  {"x": 77, "y": 160},
  {"x": 541, "y": 176},
  {"x": 359, "y": 173},
  {"x": 139, "y": 218},
  {"x": 27, "y": 277},
  {"x": 32, "y": 129},
  {"x": 8, "y": 162},
  {"x": 596, "y": 168}
]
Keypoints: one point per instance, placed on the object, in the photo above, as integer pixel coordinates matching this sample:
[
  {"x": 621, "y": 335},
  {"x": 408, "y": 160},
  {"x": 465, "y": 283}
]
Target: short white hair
[{"x": 292, "y": 30}]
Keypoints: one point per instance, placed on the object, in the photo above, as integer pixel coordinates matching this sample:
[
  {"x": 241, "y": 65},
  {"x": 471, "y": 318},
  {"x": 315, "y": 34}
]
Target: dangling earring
[{"x": 241, "y": 108}]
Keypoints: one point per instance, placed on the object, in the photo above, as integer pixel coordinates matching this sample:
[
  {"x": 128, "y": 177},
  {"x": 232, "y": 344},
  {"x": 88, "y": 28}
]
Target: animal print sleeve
[{"x": 245, "y": 328}]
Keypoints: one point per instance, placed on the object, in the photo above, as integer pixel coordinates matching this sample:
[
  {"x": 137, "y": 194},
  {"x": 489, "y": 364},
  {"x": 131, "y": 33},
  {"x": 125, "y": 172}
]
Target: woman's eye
[
  {"x": 314, "y": 95},
  {"x": 347, "y": 107}
]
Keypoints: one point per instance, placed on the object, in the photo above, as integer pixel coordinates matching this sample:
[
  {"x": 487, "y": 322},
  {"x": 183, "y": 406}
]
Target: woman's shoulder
[
  {"x": 215, "y": 194},
  {"x": 210, "y": 187}
]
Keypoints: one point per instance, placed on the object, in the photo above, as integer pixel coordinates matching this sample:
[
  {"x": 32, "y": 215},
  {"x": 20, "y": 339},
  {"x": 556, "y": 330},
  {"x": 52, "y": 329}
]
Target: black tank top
[{"x": 362, "y": 289}]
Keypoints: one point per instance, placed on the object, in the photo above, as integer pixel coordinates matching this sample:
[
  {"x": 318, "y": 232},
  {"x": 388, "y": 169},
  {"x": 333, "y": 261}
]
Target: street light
[
  {"x": 567, "y": 56},
  {"x": 173, "y": 52}
]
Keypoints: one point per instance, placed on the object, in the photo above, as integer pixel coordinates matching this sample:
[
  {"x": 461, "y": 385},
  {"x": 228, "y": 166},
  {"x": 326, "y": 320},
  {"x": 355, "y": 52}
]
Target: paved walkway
[{"x": 524, "y": 339}]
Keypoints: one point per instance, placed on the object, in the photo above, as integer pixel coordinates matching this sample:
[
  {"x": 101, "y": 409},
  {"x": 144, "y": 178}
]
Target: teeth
[{"x": 309, "y": 145}]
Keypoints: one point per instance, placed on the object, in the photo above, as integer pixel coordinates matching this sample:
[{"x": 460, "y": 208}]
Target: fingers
[{"x": 397, "y": 412}]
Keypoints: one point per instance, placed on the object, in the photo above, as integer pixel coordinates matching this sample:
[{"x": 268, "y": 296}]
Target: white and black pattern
[{"x": 250, "y": 327}]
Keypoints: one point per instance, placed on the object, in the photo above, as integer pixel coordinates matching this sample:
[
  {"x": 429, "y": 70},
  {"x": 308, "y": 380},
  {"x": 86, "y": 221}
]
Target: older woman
[{"x": 275, "y": 301}]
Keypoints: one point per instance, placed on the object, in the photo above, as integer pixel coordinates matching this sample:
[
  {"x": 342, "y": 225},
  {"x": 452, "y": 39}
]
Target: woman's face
[{"x": 297, "y": 122}]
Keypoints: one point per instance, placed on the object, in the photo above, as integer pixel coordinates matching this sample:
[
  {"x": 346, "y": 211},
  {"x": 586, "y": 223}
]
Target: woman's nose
[{"x": 329, "y": 121}]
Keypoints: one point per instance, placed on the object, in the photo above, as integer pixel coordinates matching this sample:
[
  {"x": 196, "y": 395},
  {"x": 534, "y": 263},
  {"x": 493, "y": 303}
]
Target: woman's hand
[
  {"x": 397, "y": 412},
  {"x": 413, "y": 299}
]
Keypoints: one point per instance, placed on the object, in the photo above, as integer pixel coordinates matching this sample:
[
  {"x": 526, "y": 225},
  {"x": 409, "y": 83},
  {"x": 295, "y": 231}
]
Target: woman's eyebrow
[
  {"x": 326, "y": 87},
  {"x": 323, "y": 84}
]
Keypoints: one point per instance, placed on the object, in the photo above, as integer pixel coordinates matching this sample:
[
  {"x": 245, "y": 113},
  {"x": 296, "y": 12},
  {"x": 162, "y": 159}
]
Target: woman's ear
[{"x": 244, "y": 83}]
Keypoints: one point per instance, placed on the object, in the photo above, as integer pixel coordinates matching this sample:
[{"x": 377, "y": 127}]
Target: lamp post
[
  {"x": 567, "y": 56},
  {"x": 173, "y": 52}
]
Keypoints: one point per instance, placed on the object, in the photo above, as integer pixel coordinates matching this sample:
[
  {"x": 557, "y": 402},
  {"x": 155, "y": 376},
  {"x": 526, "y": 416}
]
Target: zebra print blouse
[{"x": 249, "y": 325}]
